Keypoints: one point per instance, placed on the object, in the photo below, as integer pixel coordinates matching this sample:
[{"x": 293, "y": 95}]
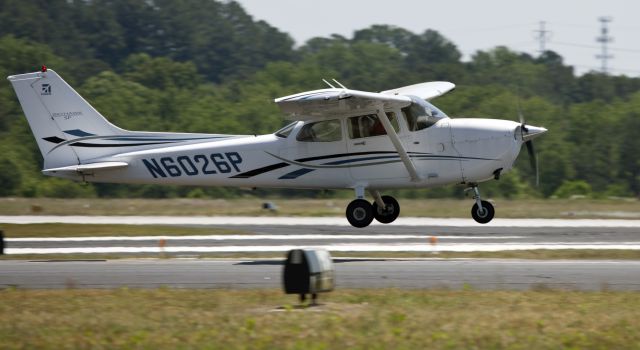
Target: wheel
[
  {"x": 485, "y": 215},
  {"x": 389, "y": 213},
  {"x": 359, "y": 213}
]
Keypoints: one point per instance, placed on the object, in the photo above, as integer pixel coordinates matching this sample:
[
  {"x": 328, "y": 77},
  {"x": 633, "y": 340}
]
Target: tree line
[{"x": 208, "y": 66}]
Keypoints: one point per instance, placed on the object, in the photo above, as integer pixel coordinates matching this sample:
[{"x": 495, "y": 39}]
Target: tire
[
  {"x": 359, "y": 213},
  {"x": 389, "y": 213},
  {"x": 484, "y": 216}
]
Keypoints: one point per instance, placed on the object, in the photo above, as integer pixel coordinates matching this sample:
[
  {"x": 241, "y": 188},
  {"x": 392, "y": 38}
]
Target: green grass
[
  {"x": 348, "y": 319},
  {"x": 97, "y": 230},
  {"x": 439, "y": 208}
]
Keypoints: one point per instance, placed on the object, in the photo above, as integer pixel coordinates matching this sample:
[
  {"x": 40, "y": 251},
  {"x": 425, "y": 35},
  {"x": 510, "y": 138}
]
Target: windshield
[
  {"x": 421, "y": 114},
  {"x": 284, "y": 132}
]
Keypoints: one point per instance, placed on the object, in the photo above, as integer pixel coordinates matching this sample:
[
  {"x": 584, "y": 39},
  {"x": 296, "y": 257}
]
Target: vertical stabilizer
[{"x": 57, "y": 114}]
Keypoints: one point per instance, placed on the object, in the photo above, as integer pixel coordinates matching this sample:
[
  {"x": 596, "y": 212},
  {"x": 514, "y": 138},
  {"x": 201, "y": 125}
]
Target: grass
[
  {"x": 440, "y": 208},
  {"x": 353, "y": 319},
  {"x": 98, "y": 230}
]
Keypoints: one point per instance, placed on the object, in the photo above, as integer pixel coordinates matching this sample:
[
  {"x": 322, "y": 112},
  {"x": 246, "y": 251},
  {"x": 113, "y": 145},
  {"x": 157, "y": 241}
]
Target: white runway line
[
  {"x": 249, "y": 238},
  {"x": 309, "y": 221},
  {"x": 453, "y": 247}
]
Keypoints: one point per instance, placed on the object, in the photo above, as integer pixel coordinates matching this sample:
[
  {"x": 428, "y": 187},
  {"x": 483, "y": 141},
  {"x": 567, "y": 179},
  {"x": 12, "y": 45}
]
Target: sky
[{"x": 475, "y": 25}]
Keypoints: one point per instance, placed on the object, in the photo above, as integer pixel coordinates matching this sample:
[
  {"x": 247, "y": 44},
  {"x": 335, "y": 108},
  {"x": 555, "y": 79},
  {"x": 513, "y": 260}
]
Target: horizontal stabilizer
[{"x": 86, "y": 168}]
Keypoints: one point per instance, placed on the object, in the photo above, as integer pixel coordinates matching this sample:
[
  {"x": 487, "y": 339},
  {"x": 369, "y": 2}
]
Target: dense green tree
[{"x": 207, "y": 66}]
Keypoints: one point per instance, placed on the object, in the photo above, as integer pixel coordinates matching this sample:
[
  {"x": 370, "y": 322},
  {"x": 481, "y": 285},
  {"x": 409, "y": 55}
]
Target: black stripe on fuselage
[
  {"x": 83, "y": 144},
  {"x": 338, "y": 155},
  {"x": 276, "y": 166},
  {"x": 259, "y": 171}
]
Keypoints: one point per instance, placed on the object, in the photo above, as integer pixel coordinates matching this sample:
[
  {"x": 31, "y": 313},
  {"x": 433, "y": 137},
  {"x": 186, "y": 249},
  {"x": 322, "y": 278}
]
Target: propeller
[{"x": 528, "y": 133}]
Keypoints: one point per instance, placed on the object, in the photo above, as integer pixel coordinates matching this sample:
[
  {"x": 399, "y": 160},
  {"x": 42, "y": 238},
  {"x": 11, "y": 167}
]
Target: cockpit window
[
  {"x": 370, "y": 125},
  {"x": 421, "y": 114},
  {"x": 284, "y": 132},
  {"x": 323, "y": 131}
]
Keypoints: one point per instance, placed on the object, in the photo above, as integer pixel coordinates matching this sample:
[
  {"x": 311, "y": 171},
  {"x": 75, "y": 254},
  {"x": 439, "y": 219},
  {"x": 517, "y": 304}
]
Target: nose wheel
[
  {"x": 482, "y": 214},
  {"x": 482, "y": 211}
]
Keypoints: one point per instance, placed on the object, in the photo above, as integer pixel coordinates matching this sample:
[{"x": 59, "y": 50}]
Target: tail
[
  {"x": 57, "y": 114},
  {"x": 69, "y": 131}
]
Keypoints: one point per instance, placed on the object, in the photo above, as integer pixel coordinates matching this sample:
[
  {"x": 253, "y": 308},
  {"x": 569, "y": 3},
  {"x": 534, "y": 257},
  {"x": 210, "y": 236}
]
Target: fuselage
[{"x": 449, "y": 151}]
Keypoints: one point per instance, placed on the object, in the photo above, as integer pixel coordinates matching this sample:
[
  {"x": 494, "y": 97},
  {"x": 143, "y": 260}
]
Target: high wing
[
  {"x": 335, "y": 102},
  {"x": 426, "y": 91},
  {"x": 332, "y": 103}
]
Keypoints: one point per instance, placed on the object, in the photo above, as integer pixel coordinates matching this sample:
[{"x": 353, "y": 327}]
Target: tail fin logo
[{"x": 46, "y": 89}]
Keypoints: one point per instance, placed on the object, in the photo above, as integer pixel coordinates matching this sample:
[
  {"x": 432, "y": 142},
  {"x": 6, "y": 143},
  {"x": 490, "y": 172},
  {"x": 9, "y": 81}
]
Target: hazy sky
[{"x": 475, "y": 25}]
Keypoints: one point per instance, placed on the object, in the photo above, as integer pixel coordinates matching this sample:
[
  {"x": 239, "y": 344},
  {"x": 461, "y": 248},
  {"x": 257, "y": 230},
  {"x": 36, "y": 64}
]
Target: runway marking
[
  {"x": 309, "y": 221},
  {"x": 445, "y": 247},
  {"x": 251, "y": 237}
]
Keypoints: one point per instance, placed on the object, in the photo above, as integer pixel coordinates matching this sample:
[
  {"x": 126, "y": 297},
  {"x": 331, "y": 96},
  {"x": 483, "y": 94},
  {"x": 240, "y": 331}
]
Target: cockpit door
[{"x": 372, "y": 154}]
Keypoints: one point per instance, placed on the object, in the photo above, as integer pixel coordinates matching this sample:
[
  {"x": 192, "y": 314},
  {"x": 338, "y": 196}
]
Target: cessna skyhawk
[{"x": 338, "y": 139}]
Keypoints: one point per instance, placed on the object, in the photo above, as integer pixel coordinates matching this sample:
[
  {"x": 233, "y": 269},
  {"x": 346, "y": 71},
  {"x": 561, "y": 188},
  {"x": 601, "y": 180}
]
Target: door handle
[{"x": 360, "y": 143}]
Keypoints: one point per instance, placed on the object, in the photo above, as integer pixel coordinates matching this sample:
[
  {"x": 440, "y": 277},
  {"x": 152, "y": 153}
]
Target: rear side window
[{"x": 323, "y": 131}]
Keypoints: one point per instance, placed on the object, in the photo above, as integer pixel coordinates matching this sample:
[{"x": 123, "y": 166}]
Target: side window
[
  {"x": 370, "y": 125},
  {"x": 324, "y": 131}
]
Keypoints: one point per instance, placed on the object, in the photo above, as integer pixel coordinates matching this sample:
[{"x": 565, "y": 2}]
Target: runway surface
[
  {"x": 277, "y": 234},
  {"x": 350, "y": 273}
]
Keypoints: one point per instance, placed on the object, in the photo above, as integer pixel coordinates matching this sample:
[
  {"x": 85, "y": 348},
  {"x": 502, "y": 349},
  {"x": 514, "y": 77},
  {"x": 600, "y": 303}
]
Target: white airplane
[{"x": 338, "y": 139}]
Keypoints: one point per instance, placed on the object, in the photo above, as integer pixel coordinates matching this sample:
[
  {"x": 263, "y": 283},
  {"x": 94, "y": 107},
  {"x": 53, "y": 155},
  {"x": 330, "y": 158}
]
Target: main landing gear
[
  {"x": 361, "y": 213},
  {"x": 482, "y": 211}
]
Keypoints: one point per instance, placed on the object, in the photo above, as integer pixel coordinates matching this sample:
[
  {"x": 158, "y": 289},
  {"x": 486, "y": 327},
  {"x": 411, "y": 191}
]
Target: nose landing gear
[{"x": 482, "y": 211}]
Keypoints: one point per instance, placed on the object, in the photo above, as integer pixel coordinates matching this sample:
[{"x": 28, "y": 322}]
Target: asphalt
[
  {"x": 350, "y": 273},
  {"x": 281, "y": 235},
  {"x": 344, "y": 238}
]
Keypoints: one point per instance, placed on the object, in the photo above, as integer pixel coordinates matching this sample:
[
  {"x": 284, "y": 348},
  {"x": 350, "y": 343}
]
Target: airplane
[{"x": 338, "y": 138}]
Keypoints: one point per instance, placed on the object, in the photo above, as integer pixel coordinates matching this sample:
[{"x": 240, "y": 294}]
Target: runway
[
  {"x": 277, "y": 234},
  {"x": 350, "y": 273}
]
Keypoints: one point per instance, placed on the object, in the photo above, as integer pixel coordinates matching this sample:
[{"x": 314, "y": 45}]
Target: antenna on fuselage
[{"x": 328, "y": 83}]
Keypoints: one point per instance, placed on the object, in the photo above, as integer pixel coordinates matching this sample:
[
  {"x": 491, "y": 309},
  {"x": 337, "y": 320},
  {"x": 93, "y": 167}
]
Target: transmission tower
[
  {"x": 542, "y": 35},
  {"x": 604, "y": 39}
]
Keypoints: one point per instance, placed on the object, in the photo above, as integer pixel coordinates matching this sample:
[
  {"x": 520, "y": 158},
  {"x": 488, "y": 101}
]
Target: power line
[
  {"x": 621, "y": 49},
  {"x": 611, "y": 69},
  {"x": 542, "y": 35},
  {"x": 604, "y": 39}
]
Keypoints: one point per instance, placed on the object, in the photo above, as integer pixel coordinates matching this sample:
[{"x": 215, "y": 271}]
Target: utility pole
[
  {"x": 604, "y": 39},
  {"x": 542, "y": 35}
]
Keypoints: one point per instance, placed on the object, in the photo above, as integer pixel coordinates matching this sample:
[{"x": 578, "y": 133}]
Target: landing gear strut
[
  {"x": 482, "y": 211},
  {"x": 361, "y": 213}
]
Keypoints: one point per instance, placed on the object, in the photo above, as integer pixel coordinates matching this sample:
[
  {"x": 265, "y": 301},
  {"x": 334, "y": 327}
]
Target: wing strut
[{"x": 413, "y": 173}]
